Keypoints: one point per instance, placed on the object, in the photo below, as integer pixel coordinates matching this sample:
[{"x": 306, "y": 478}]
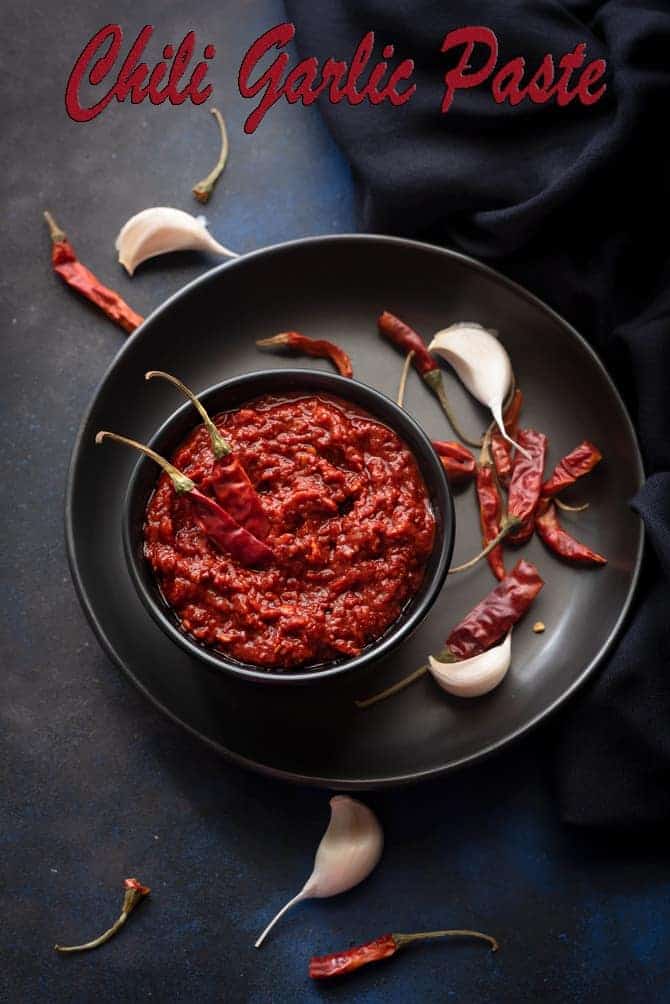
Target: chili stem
[
  {"x": 395, "y": 689},
  {"x": 433, "y": 378},
  {"x": 204, "y": 188},
  {"x": 509, "y": 524},
  {"x": 55, "y": 231},
  {"x": 403, "y": 378},
  {"x": 405, "y": 939},
  {"x": 181, "y": 482},
  {"x": 570, "y": 508},
  {"x": 96, "y": 941},
  {"x": 220, "y": 447}
]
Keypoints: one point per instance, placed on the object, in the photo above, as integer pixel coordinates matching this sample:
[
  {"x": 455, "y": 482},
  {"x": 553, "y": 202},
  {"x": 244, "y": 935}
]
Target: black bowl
[{"x": 232, "y": 394}]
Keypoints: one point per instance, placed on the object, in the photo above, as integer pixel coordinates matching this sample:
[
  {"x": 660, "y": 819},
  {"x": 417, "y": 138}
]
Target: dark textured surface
[{"x": 96, "y": 784}]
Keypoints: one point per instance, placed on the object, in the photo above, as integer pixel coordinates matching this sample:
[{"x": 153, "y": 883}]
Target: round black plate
[{"x": 334, "y": 287}]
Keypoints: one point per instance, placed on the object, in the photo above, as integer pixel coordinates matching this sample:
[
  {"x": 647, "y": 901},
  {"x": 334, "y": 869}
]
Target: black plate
[{"x": 334, "y": 287}]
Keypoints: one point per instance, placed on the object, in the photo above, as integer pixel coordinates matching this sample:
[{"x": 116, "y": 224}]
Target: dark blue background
[{"x": 97, "y": 784}]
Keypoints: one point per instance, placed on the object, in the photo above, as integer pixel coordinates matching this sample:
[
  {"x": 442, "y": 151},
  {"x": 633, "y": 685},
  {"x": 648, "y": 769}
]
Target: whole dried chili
[
  {"x": 323, "y": 967},
  {"x": 228, "y": 479},
  {"x": 134, "y": 893},
  {"x": 317, "y": 347},
  {"x": 490, "y": 509},
  {"x": 213, "y": 519},
  {"x": 501, "y": 449},
  {"x": 500, "y": 610},
  {"x": 559, "y": 541},
  {"x": 486, "y": 624},
  {"x": 526, "y": 483},
  {"x": 65, "y": 264},
  {"x": 457, "y": 461},
  {"x": 574, "y": 465},
  {"x": 408, "y": 340}
]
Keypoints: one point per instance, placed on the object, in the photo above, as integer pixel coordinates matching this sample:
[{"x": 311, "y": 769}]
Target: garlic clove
[
  {"x": 160, "y": 230},
  {"x": 475, "y": 676},
  {"x": 349, "y": 850},
  {"x": 481, "y": 363}
]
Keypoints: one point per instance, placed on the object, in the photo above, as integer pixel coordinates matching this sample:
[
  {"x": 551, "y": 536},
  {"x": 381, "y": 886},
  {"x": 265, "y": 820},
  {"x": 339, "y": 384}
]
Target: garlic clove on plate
[
  {"x": 160, "y": 230},
  {"x": 475, "y": 676},
  {"x": 481, "y": 363},
  {"x": 349, "y": 850}
]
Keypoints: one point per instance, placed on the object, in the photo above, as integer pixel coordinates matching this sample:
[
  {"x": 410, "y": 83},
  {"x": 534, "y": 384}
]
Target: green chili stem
[
  {"x": 570, "y": 508},
  {"x": 220, "y": 446},
  {"x": 181, "y": 482},
  {"x": 406, "y": 939},
  {"x": 134, "y": 893},
  {"x": 55, "y": 231},
  {"x": 204, "y": 188},
  {"x": 395, "y": 689},
  {"x": 403, "y": 378},
  {"x": 433, "y": 379},
  {"x": 97, "y": 941},
  {"x": 509, "y": 523}
]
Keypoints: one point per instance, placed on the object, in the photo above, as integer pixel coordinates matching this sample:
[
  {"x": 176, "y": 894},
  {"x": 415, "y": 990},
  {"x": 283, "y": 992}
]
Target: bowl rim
[{"x": 396, "y": 633}]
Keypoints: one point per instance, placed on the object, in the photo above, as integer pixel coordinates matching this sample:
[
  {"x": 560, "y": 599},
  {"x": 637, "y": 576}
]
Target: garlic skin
[
  {"x": 349, "y": 850},
  {"x": 475, "y": 676},
  {"x": 161, "y": 230},
  {"x": 481, "y": 363}
]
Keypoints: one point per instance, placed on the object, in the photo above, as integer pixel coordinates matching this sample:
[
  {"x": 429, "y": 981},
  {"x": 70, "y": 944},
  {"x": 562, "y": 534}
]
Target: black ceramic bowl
[{"x": 232, "y": 394}]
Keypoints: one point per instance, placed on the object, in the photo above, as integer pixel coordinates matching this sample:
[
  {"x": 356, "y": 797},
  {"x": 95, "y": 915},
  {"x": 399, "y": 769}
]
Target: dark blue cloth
[{"x": 573, "y": 203}]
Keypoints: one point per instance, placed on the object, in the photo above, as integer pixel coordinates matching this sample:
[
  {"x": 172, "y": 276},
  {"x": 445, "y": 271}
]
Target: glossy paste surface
[{"x": 351, "y": 528}]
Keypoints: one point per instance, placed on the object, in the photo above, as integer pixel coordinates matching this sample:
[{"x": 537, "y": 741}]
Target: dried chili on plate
[
  {"x": 526, "y": 483},
  {"x": 408, "y": 340},
  {"x": 458, "y": 462},
  {"x": 574, "y": 465},
  {"x": 560, "y": 542},
  {"x": 500, "y": 610},
  {"x": 65, "y": 264},
  {"x": 323, "y": 967},
  {"x": 320, "y": 348},
  {"x": 490, "y": 510}
]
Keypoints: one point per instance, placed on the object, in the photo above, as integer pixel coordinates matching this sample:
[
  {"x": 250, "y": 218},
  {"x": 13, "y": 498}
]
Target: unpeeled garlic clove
[
  {"x": 349, "y": 850},
  {"x": 161, "y": 230},
  {"x": 480, "y": 362},
  {"x": 475, "y": 676}
]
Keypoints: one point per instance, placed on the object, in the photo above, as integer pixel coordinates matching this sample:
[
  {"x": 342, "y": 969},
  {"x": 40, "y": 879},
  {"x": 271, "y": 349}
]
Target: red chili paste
[{"x": 351, "y": 528}]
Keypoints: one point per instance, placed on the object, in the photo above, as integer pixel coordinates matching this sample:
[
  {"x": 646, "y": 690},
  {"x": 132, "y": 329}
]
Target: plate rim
[{"x": 339, "y": 784}]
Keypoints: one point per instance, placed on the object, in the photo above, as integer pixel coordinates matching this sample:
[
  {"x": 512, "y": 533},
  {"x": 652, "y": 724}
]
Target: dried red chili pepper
[
  {"x": 574, "y": 465},
  {"x": 65, "y": 264},
  {"x": 486, "y": 624},
  {"x": 228, "y": 479},
  {"x": 317, "y": 347},
  {"x": 501, "y": 449},
  {"x": 560, "y": 542},
  {"x": 134, "y": 894},
  {"x": 457, "y": 461},
  {"x": 526, "y": 483},
  {"x": 408, "y": 340},
  {"x": 323, "y": 967},
  {"x": 492, "y": 618},
  {"x": 213, "y": 519},
  {"x": 490, "y": 510}
]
